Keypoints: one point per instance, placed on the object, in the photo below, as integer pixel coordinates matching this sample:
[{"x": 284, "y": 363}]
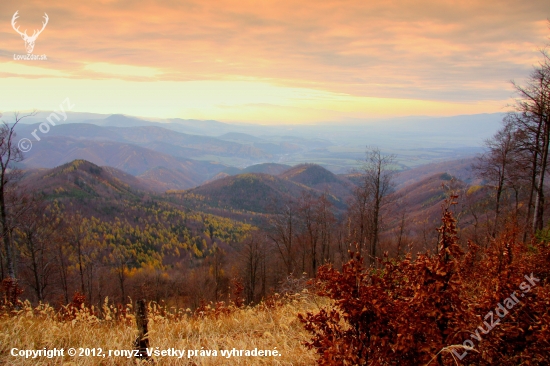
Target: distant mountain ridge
[
  {"x": 54, "y": 151},
  {"x": 176, "y": 154},
  {"x": 152, "y": 137}
]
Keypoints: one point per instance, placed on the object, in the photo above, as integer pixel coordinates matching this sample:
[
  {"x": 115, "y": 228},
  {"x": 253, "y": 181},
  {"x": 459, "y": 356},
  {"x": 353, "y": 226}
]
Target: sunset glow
[{"x": 271, "y": 61}]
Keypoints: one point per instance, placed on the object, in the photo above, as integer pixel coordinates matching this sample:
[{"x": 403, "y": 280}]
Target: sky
[{"x": 271, "y": 62}]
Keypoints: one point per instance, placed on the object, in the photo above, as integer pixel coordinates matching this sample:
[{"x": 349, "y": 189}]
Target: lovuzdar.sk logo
[{"x": 29, "y": 40}]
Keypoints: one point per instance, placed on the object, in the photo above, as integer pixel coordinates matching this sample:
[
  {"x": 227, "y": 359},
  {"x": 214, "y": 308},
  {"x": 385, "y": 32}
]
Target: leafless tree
[
  {"x": 370, "y": 197},
  {"x": 217, "y": 263},
  {"x": 120, "y": 258},
  {"x": 35, "y": 237},
  {"x": 531, "y": 119},
  {"x": 254, "y": 271},
  {"x": 283, "y": 233},
  {"x": 315, "y": 224},
  {"x": 77, "y": 232},
  {"x": 494, "y": 166},
  {"x": 9, "y": 154}
]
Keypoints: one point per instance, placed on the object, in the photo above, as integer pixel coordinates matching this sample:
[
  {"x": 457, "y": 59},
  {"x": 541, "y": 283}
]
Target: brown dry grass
[{"x": 263, "y": 327}]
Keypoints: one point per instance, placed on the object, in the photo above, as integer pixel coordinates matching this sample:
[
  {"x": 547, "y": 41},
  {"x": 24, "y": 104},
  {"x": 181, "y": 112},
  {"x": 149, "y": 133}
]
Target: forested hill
[
  {"x": 265, "y": 193},
  {"x": 113, "y": 220}
]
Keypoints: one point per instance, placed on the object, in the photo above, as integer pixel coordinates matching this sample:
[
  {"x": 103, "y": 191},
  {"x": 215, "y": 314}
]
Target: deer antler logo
[{"x": 29, "y": 41}]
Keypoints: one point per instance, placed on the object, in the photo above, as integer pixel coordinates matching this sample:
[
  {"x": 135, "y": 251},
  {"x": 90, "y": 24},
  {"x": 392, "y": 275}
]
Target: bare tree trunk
[
  {"x": 539, "y": 200},
  {"x": 376, "y": 215},
  {"x": 142, "y": 341},
  {"x": 532, "y": 186},
  {"x": 401, "y": 232},
  {"x": 63, "y": 273},
  {"x": 80, "y": 267},
  {"x": 6, "y": 234}
]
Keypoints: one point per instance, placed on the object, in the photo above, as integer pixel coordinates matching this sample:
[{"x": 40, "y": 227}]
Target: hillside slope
[
  {"x": 319, "y": 178},
  {"x": 252, "y": 192},
  {"x": 255, "y": 192},
  {"x": 83, "y": 179}
]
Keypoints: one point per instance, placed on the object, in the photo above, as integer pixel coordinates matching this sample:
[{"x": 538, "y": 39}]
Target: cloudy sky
[{"x": 271, "y": 61}]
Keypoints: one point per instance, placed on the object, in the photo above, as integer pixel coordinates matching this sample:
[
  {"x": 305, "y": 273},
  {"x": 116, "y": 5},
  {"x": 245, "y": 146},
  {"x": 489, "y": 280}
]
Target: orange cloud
[{"x": 437, "y": 51}]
